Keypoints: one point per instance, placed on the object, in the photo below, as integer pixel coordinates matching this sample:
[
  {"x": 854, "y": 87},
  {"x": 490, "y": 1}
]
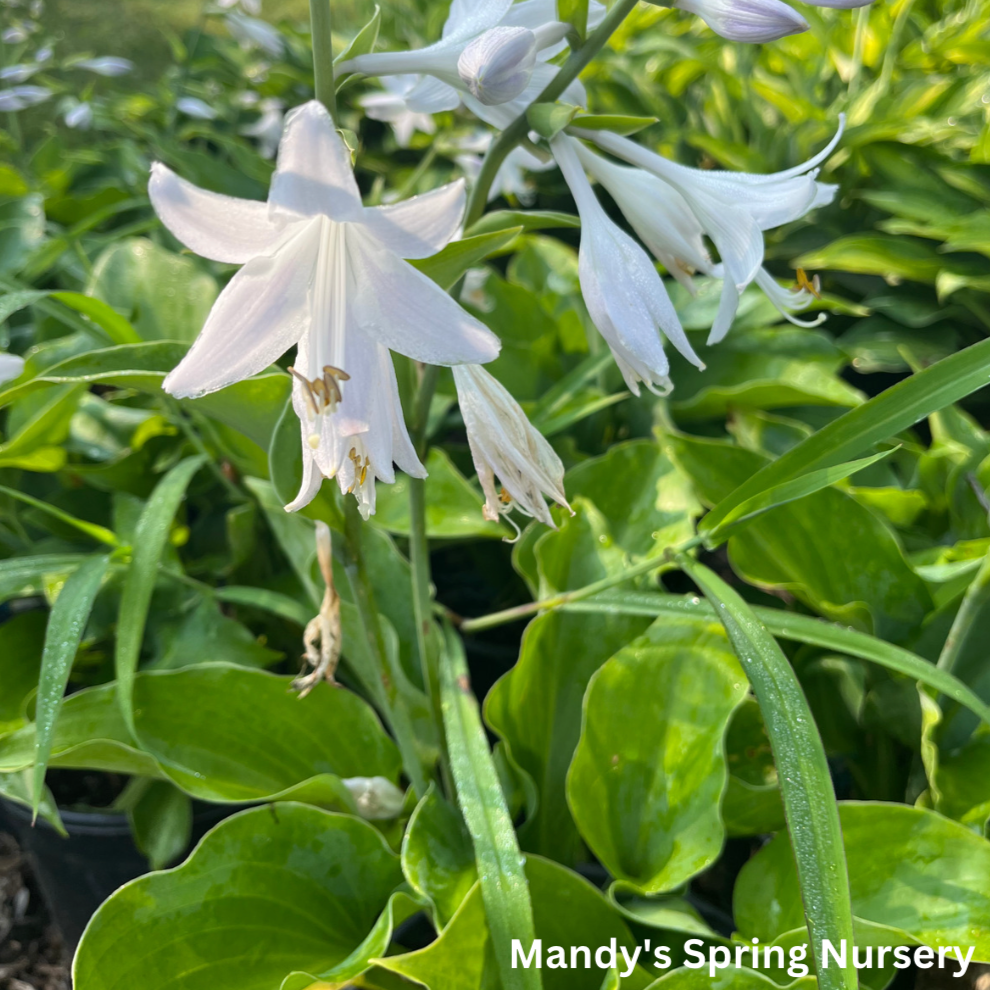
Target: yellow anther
[
  {"x": 322, "y": 393},
  {"x": 812, "y": 285},
  {"x": 504, "y": 497}
]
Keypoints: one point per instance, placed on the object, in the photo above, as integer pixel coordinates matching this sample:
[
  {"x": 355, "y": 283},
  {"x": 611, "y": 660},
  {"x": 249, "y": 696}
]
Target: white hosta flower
[
  {"x": 505, "y": 444},
  {"x": 16, "y": 34},
  {"x": 839, "y": 4},
  {"x": 497, "y": 66},
  {"x": 733, "y": 208},
  {"x": 621, "y": 287},
  {"x": 18, "y": 73},
  {"x": 108, "y": 65},
  {"x": 377, "y": 798},
  {"x": 267, "y": 129},
  {"x": 511, "y": 179},
  {"x": 22, "y": 97},
  {"x": 44, "y": 54},
  {"x": 442, "y": 87},
  {"x": 751, "y": 21},
  {"x": 664, "y": 222},
  {"x": 11, "y": 366},
  {"x": 79, "y": 116},
  {"x": 252, "y": 7},
  {"x": 326, "y": 273},
  {"x": 192, "y": 106},
  {"x": 390, "y": 107},
  {"x": 251, "y": 32}
]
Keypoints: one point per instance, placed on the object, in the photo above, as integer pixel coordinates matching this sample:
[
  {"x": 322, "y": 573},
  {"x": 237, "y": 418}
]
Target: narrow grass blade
[
  {"x": 66, "y": 625},
  {"x": 99, "y": 533},
  {"x": 805, "y": 784},
  {"x": 800, "y": 629},
  {"x": 149, "y": 541},
  {"x": 504, "y": 888},
  {"x": 883, "y": 416}
]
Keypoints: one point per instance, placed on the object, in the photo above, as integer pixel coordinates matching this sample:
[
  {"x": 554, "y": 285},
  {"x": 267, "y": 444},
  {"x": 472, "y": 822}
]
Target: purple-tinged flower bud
[
  {"x": 497, "y": 66},
  {"x": 751, "y": 21}
]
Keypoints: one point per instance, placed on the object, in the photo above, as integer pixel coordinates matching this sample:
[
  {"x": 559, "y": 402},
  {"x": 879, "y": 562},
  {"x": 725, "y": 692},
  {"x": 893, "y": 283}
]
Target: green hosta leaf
[
  {"x": 618, "y": 123},
  {"x": 66, "y": 625},
  {"x": 22, "y": 639},
  {"x": 285, "y": 457},
  {"x": 909, "y": 869},
  {"x": 99, "y": 533},
  {"x": 805, "y": 783},
  {"x": 149, "y": 543},
  {"x": 575, "y": 13},
  {"x": 166, "y": 296},
  {"x": 730, "y": 978},
  {"x": 437, "y": 855},
  {"x": 649, "y": 771},
  {"x": 22, "y": 576},
  {"x": 453, "y": 504},
  {"x": 567, "y": 912},
  {"x": 364, "y": 40},
  {"x": 267, "y": 892},
  {"x": 117, "y": 327},
  {"x": 265, "y": 600},
  {"x": 16, "y": 787},
  {"x": 876, "y": 254},
  {"x": 751, "y": 805},
  {"x": 252, "y": 407},
  {"x": 528, "y": 220},
  {"x": 548, "y": 119},
  {"x": 504, "y": 888},
  {"x": 161, "y": 822},
  {"x": 447, "y": 266},
  {"x": 536, "y": 707},
  {"x": 882, "y": 417},
  {"x": 226, "y": 733}
]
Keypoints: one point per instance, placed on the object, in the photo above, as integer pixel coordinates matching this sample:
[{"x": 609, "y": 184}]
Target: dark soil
[{"x": 32, "y": 956}]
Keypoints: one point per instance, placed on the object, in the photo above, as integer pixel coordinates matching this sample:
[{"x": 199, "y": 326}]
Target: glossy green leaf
[
  {"x": 66, "y": 625},
  {"x": 575, "y": 13},
  {"x": 96, "y": 532},
  {"x": 884, "y": 416},
  {"x": 118, "y": 328},
  {"x": 364, "y": 40},
  {"x": 805, "y": 782},
  {"x": 649, "y": 770},
  {"x": 568, "y": 911},
  {"x": 528, "y": 220},
  {"x": 438, "y": 857},
  {"x": 266, "y": 600},
  {"x": 548, "y": 119},
  {"x": 618, "y": 123},
  {"x": 504, "y": 888},
  {"x": 149, "y": 542},
  {"x": 453, "y": 504},
  {"x": 22, "y": 640},
  {"x": 536, "y": 707},
  {"x": 928, "y": 877},
  {"x": 16, "y": 787},
  {"x": 448, "y": 265},
  {"x": 267, "y": 892},
  {"x": 251, "y": 407},
  {"x": 751, "y": 804},
  {"x": 161, "y": 822},
  {"x": 730, "y": 978},
  {"x": 285, "y": 464}
]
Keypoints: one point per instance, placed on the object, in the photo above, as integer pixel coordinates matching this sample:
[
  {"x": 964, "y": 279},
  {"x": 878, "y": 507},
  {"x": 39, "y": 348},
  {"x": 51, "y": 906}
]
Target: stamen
[
  {"x": 323, "y": 393},
  {"x": 813, "y": 285},
  {"x": 504, "y": 497}
]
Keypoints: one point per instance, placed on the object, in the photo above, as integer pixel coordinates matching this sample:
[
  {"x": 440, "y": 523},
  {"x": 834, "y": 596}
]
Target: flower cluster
[{"x": 327, "y": 275}]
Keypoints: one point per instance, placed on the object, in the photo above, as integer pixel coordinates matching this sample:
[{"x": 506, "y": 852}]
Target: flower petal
[
  {"x": 421, "y": 226},
  {"x": 407, "y": 312},
  {"x": 312, "y": 477},
  {"x": 468, "y": 18},
  {"x": 261, "y": 313},
  {"x": 314, "y": 173},
  {"x": 432, "y": 95},
  {"x": 11, "y": 366},
  {"x": 214, "y": 226}
]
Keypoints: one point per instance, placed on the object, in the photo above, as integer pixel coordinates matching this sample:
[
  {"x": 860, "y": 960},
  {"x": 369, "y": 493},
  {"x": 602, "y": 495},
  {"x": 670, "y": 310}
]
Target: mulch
[{"x": 32, "y": 954}]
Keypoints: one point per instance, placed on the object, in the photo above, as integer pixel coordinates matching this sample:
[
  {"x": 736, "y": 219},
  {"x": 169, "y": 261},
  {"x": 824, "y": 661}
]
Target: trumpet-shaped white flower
[
  {"x": 78, "y": 116},
  {"x": 193, "y": 106},
  {"x": 22, "y": 97},
  {"x": 733, "y": 208},
  {"x": 664, "y": 222},
  {"x": 11, "y": 365},
  {"x": 750, "y": 21},
  {"x": 251, "y": 32},
  {"x": 326, "y": 273},
  {"x": 621, "y": 287},
  {"x": 252, "y": 7},
  {"x": 390, "y": 107},
  {"x": 442, "y": 86},
  {"x": 18, "y": 73},
  {"x": 267, "y": 129},
  {"x": 107, "y": 65},
  {"x": 504, "y": 443}
]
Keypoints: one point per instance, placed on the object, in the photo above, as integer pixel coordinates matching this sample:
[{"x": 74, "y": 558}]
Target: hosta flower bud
[
  {"x": 107, "y": 65},
  {"x": 376, "y": 798},
  {"x": 79, "y": 116},
  {"x": 839, "y": 4},
  {"x": 752, "y": 21},
  {"x": 496, "y": 67}
]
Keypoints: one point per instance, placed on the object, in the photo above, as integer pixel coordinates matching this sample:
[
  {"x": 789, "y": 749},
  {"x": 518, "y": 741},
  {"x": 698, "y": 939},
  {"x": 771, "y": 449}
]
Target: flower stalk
[
  {"x": 516, "y": 131},
  {"x": 326, "y": 92}
]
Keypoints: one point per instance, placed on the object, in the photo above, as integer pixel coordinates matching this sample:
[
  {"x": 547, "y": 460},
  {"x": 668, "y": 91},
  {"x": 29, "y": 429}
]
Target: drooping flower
[
  {"x": 511, "y": 178},
  {"x": 621, "y": 287},
  {"x": 267, "y": 129},
  {"x": 664, "y": 222},
  {"x": 22, "y": 97},
  {"x": 252, "y": 32},
  {"x": 733, "y": 208},
  {"x": 443, "y": 88},
  {"x": 18, "y": 73},
  {"x": 505, "y": 444},
  {"x": 107, "y": 65},
  {"x": 78, "y": 116},
  {"x": 323, "y": 272},
  {"x": 193, "y": 106},
  {"x": 750, "y": 21},
  {"x": 252, "y": 7},
  {"x": 390, "y": 107}
]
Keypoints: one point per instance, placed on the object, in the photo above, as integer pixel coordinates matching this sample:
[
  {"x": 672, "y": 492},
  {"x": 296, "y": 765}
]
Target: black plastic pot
[{"x": 78, "y": 874}]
